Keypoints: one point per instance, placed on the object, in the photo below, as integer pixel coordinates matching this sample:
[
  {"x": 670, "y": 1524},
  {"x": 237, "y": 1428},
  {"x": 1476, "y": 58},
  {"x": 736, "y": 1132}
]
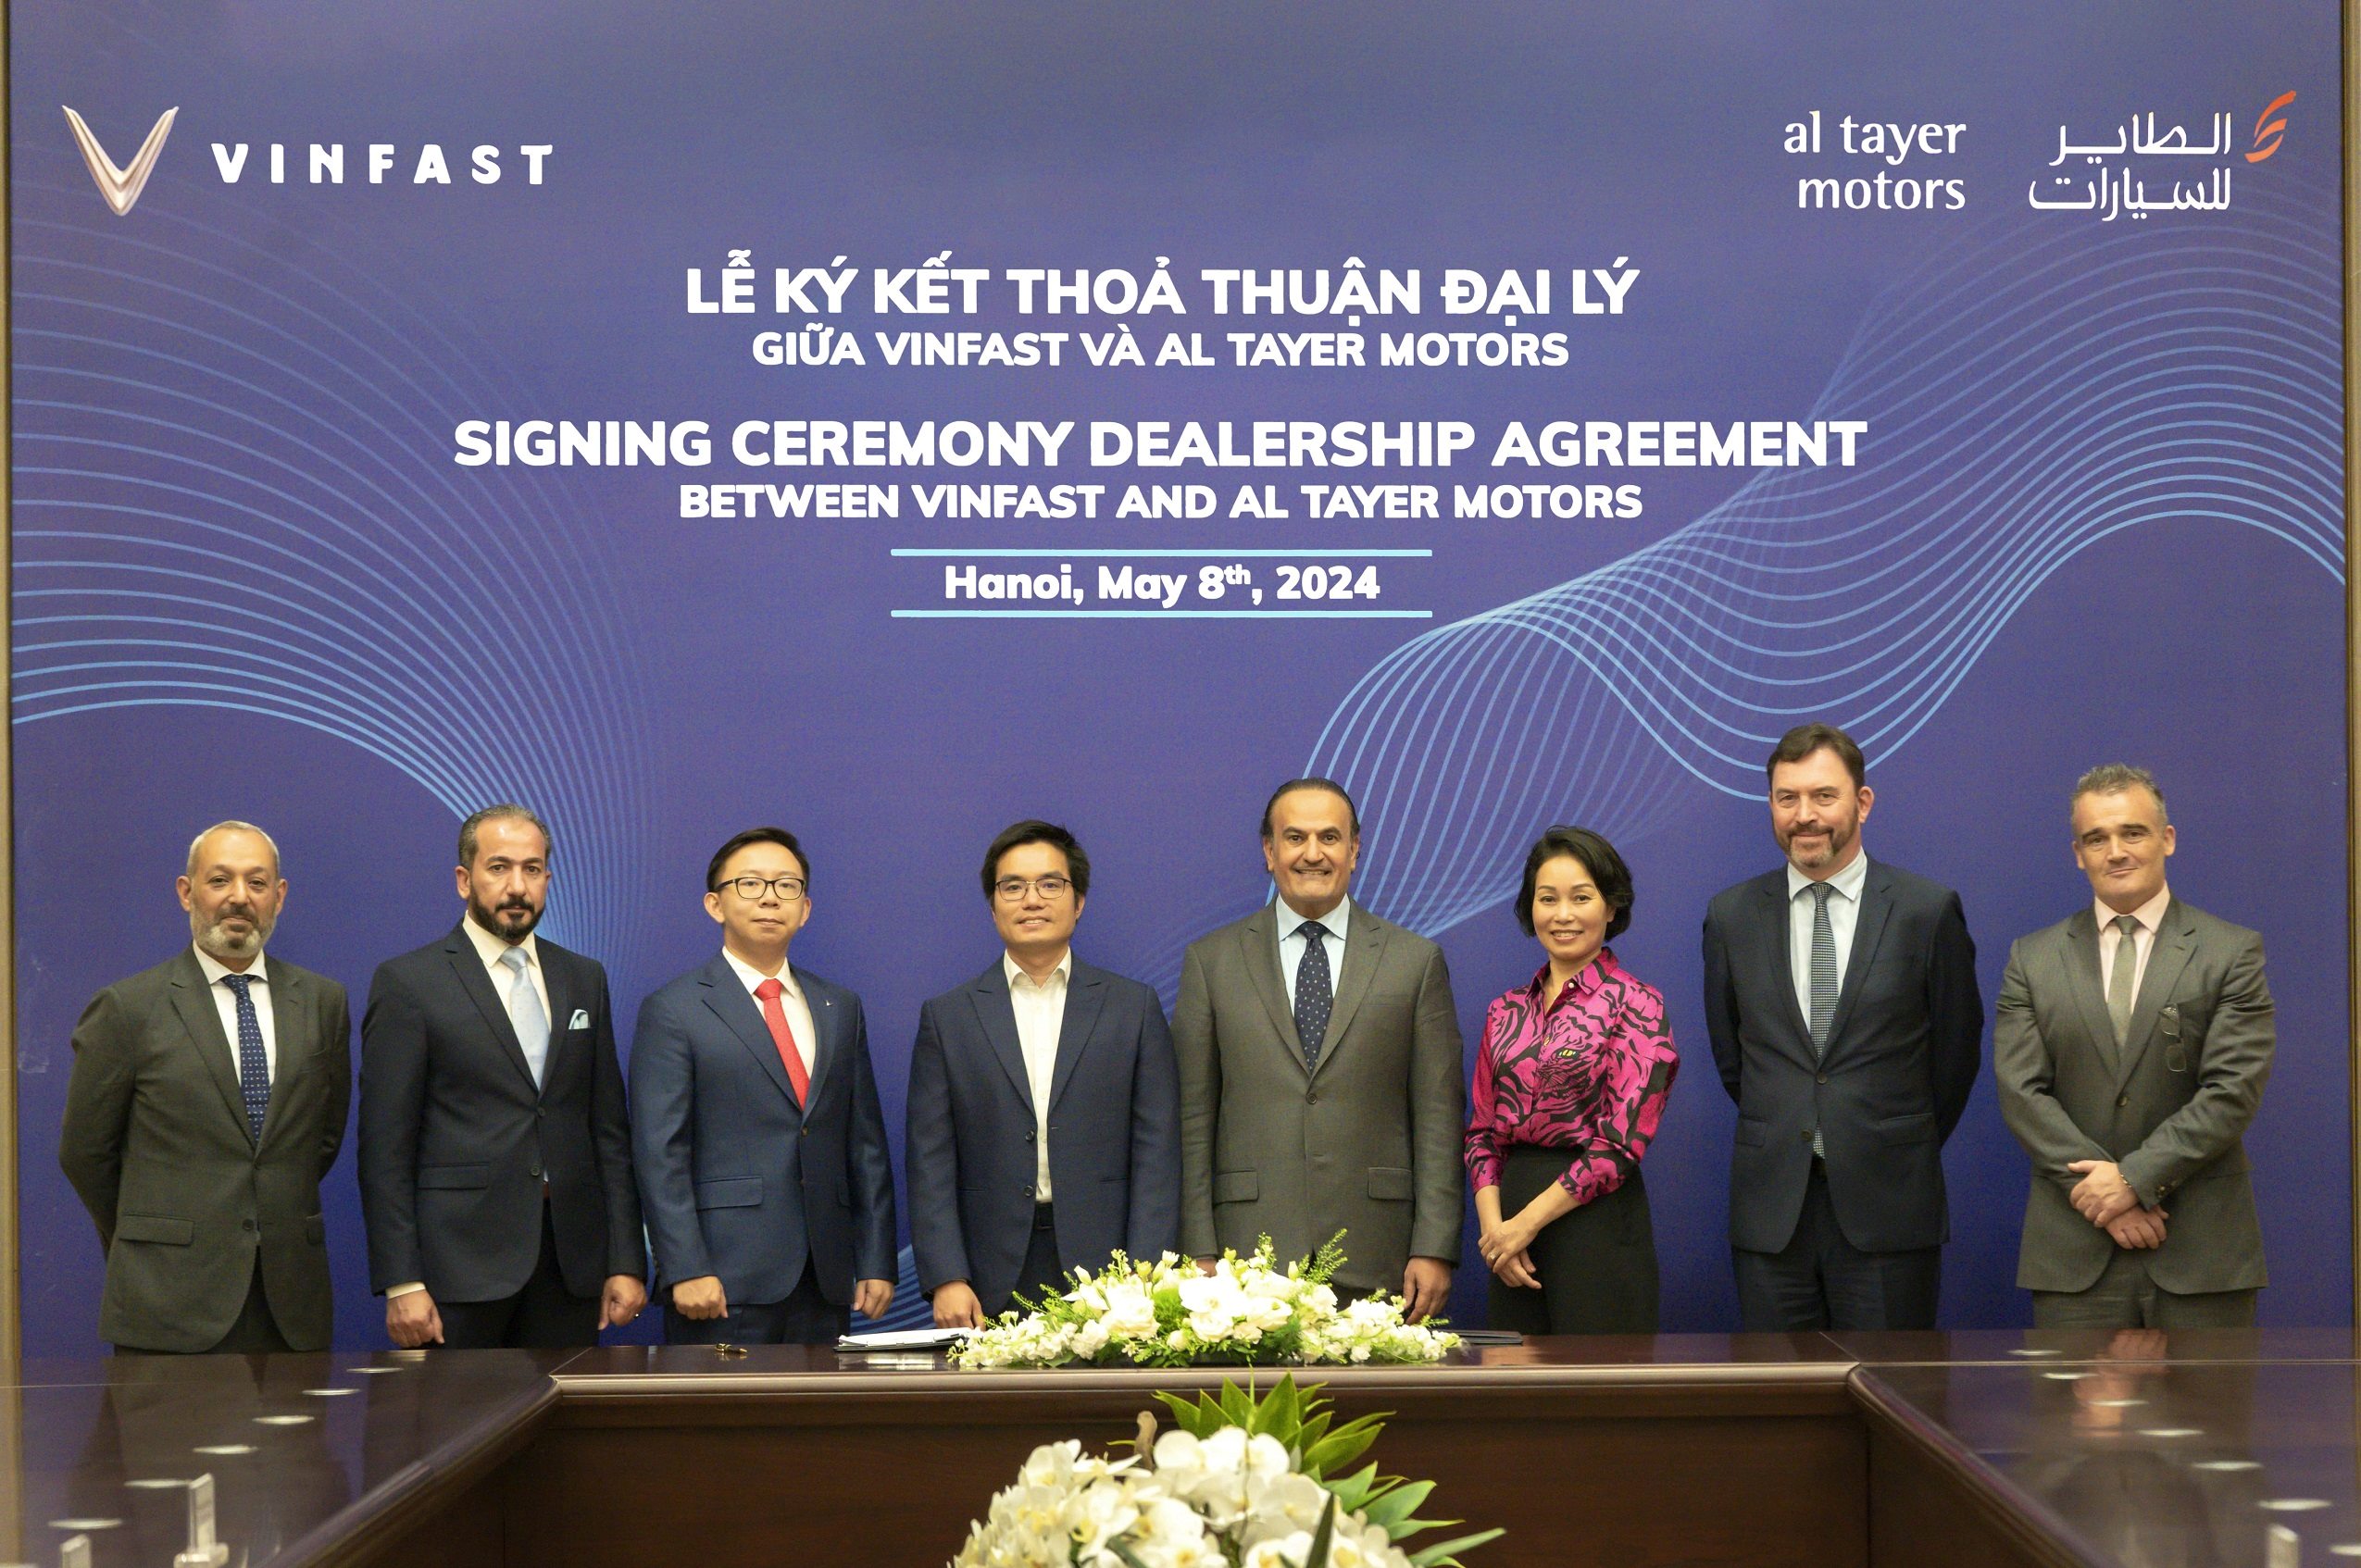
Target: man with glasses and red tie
[
  {"x": 759, "y": 1140},
  {"x": 1044, "y": 1121}
]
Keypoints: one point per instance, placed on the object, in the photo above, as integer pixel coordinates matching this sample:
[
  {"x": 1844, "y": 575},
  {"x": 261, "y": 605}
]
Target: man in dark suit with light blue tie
[
  {"x": 760, "y": 1145},
  {"x": 495, "y": 1158},
  {"x": 1841, "y": 998},
  {"x": 1044, "y": 1121}
]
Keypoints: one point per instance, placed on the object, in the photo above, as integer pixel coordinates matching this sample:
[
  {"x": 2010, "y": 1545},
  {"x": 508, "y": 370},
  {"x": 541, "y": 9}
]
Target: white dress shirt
[
  {"x": 2144, "y": 940},
  {"x": 1040, "y": 1006},
  {"x": 489, "y": 948},
  {"x": 1844, "y": 915},
  {"x": 790, "y": 1000},
  {"x": 225, "y": 1003},
  {"x": 1292, "y": 940}
]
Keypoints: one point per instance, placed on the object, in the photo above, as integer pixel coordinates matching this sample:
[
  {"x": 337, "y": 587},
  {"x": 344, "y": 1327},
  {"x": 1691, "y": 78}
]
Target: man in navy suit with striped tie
[{"x": 760, "y": 1143}]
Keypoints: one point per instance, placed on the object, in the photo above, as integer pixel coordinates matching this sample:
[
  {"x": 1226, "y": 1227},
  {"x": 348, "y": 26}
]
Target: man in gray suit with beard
[
  {"x": 207, "y": 1100},
  {"x": 2132, "y": 1046},
  {"x": 1320, "y": 1074}
]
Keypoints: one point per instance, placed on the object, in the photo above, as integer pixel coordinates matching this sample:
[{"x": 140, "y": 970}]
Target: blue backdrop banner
[{"x": 891, "y": 421}]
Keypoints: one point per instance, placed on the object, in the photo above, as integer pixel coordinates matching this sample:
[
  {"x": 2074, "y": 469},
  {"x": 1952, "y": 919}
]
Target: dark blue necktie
[
  {"x": 1313, "y": 996},
  {"x": 254, "y": 1067}
]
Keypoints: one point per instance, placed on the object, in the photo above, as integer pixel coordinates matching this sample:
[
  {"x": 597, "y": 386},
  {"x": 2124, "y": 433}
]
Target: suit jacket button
[
  {"x": 1807, "y": 1134},
  {"x": 1029, "y": 1136},
  {"x": 1311, "y": 1099},
  {"x": 2122, "y": 1100},
  {"x": 249, "y": 1225},
  {"x": 540, "y": 1112},
  {"x": 534, "y": 1172},
  {"x": 1029, "y": 1192},
  {"x": 1822, "y": 1079}
]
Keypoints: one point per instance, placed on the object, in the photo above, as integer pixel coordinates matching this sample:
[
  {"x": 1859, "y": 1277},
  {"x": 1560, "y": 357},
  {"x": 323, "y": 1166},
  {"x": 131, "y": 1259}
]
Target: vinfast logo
[
  {"x": 314, "y": 163},
  {"x": 121, "y": 187}
]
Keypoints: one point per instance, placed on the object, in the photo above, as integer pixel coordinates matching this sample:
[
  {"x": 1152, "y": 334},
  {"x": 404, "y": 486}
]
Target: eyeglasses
[
  {"x": 789, "y": 888},
  {"x": 1009, "y": 889}
]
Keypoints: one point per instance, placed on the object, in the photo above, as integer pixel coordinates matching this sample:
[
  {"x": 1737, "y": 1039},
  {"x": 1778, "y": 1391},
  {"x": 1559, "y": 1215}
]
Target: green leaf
[
  {"x": 1130, "y": 1558},
  {"x": 1393, "y": 1508},
  {"x": 1443, "y": 1554},
  {"x": 1237, "y": 1410},
  {"x": 1341, "y": 1446},
  {"x": 1318, "y": 1556},
  {"x": 1354, "y": 1490}
]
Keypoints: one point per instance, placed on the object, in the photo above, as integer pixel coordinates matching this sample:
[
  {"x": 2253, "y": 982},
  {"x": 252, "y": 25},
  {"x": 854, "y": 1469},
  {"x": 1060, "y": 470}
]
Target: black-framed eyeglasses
[
  {"x": 789, "y": 888},
  {"x": 1010, "y": 889}
]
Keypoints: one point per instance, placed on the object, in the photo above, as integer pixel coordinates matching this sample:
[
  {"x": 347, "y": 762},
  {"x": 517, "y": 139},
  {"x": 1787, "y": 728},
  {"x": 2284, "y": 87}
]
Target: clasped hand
[
  {"x": 2104, "y": 1199},
  {"x": 1506, "y": 1250}
]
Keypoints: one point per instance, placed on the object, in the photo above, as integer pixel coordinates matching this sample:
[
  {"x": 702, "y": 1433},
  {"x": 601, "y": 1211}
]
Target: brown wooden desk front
[{"x": 1829, "y": 1450}]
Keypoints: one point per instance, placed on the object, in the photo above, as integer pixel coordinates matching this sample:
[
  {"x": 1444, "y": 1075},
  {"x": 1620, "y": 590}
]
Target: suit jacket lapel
[
  {"x": 1260, "y": 933},
  {"x": 290, "y": 1003},
  {"x": 476, "y": 981},
  {"x": 1085, "y": 994},
  {"x": 740, "y": 1013},
  {"x": 193, "y": 1000},
  {"x": 558, "y": 974},
  {"x": 2176, "y": 939},
  {"x": 989, "y": 996},
  {"x": 1876, "y": 903},
  {"x": 826, "y": 1045},
  {"x": 2090, "y": 990},
  {"x": 1363, "y": 950},
  {"x": 1782, "y": 942}
]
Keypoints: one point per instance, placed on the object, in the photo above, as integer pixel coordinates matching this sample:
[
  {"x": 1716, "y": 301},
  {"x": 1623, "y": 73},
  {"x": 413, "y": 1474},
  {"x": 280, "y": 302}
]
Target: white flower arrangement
[
  {"x": 1169, "y": 1313},
  {"x": 1241, "y": 1483}
]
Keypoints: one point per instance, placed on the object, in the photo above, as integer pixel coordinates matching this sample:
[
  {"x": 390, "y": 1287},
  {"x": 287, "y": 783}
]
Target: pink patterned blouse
[{"x": 1589, "y": 1074}]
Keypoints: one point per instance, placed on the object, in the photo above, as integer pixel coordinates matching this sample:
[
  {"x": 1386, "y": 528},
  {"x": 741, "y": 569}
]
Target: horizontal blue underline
[
  {"x": 1167, "y": 614},
  {"x": 1223, "y": 554}
]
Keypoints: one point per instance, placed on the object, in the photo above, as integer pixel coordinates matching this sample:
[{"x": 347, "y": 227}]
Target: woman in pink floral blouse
[{"x": 1570, "y": 1083}]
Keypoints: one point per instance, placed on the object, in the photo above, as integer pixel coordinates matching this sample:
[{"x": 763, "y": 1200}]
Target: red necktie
[{"x": 781, "y": 1036}]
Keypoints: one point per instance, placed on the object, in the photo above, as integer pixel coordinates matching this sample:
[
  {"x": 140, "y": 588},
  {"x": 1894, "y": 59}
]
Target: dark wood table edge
[
  {"x": 358, "y": 1531},
  {"x": 2043, "y": 1535}
]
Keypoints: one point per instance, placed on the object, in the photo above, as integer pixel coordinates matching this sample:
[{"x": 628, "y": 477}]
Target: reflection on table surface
[
  {"x": 107, "y": 1447},
  {"x": 2143, "y": 1448}
]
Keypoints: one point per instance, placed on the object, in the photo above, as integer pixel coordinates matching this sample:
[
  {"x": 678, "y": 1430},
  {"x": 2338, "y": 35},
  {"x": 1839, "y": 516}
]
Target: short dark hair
[
  {"x": 2112, "y": 778},
  {"x": 505, "y": 809},
  {"x": 1330, "y": 785},
  {"x": 1033, "y": 830},
  {"x": 1805, "y": 739},
  {"x": 779, "y": 835},
  {"x": 1598, "y": 858}
]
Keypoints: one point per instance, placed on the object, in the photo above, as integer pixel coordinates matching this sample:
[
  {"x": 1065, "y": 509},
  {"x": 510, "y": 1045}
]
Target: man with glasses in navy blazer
[
  {"x": 1045, "y": 1119},
  {"x": 760, "y": 1145}
]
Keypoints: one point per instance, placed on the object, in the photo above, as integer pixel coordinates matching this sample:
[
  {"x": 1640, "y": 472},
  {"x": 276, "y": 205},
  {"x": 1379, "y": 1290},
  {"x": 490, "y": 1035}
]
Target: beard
[
  {"x": 1840, "y": 838},
  {"x": 213, "y": 937},
  {"x": 512, "y": 919}
]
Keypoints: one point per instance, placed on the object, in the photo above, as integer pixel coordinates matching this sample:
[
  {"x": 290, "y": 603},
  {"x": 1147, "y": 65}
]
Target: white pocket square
[{"x": 581, "y": 1019}]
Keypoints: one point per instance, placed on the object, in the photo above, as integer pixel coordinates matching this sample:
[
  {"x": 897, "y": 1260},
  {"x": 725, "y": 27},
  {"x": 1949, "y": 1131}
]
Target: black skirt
[{"x": 1597, "y": 1265}]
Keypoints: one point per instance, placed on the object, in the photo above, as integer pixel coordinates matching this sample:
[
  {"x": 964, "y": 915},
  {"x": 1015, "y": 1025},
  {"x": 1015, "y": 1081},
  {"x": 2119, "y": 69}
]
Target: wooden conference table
[{"x": 1831, "y": 1451}]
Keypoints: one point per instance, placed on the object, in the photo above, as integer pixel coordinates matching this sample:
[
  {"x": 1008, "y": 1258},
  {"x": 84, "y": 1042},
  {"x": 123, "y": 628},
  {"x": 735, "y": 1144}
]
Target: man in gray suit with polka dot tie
[
  {"x": 1321, "y": 1074},
  {"x": 207, "y": 1100}
]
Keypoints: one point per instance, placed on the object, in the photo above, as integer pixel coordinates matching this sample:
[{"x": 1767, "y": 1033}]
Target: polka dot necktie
[
  {"x": 1313, "y": 997},
  {"x": 254, "y": 1063}
]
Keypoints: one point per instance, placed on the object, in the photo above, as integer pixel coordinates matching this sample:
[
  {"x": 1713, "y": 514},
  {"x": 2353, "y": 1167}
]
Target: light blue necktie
[{"x": 525, "y": 1011}]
